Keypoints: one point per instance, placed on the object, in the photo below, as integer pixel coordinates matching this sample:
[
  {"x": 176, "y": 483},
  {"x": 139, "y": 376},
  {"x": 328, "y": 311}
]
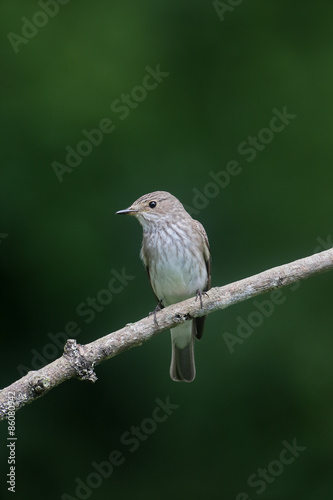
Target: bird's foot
[
  {"x": 158, "y": 308},
  {"x": 199, "y": 295}
]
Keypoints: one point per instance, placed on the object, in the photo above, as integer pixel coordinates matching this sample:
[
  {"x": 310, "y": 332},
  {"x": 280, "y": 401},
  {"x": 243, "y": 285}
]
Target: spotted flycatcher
[{"x": 175, "y": 252}]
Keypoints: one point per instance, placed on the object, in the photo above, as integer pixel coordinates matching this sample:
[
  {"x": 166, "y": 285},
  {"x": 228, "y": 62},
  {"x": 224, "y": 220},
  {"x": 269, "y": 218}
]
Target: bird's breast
[{"x": 176, "y": 266}]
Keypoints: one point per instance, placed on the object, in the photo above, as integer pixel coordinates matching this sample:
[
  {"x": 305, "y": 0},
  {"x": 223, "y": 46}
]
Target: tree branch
[{"x": 79, "y": 360}]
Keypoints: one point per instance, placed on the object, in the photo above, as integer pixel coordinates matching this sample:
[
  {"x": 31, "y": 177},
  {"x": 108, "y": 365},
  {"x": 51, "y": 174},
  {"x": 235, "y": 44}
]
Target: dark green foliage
[{"x": 198, "y": 122}]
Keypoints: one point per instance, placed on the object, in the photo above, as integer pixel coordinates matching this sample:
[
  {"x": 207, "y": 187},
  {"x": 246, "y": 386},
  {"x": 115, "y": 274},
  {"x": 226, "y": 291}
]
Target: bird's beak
[{"x": 127, "y": 211}]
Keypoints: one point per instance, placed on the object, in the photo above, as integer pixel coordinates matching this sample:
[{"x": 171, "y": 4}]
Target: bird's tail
[{"x": 182, "y": 366}]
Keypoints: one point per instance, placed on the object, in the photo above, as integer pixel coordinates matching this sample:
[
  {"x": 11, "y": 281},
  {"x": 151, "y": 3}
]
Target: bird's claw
[
  {"x": 200, "y": 294},
  {"x": 158, "y": 308}
]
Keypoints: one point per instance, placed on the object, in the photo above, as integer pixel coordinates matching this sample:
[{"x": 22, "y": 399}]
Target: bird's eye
[{"x": 152, "y": 204}]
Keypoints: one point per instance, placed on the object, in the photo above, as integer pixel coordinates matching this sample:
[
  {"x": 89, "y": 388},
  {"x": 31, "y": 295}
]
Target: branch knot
[
  {"x": 75, "y": 354},
  {"x": 39, "y": 385}
]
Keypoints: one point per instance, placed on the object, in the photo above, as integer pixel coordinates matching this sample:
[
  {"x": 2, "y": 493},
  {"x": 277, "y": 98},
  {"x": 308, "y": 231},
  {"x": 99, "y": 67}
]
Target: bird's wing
[
  {"x": 198, "y": 323},
  {"x": 206, "y": 253},
  {"x": 161, "y": 306}
]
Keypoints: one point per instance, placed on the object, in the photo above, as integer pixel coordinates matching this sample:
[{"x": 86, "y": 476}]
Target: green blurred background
[{"x": 63, "y": 240}]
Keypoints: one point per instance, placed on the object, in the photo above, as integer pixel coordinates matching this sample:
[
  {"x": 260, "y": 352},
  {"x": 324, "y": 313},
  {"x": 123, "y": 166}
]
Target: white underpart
[
  {"x": 176, "y": 273},
  {"x": 181, "y": 335}
]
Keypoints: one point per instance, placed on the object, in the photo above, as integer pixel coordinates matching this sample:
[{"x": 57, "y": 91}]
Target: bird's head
[{"x": 154, "y": 208}]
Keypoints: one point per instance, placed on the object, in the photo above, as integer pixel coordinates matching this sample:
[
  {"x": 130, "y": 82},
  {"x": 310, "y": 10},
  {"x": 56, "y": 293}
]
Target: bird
[{"x": 175, "y": 252}]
